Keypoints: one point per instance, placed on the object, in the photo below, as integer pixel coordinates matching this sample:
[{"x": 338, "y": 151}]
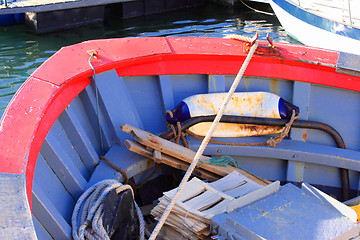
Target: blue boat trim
[
  {"x": 180, "y": 113},
  {"x": 286, "y": 108},
  {"x": 12, "y": 19},
  {"x": 317, "y": 21}
]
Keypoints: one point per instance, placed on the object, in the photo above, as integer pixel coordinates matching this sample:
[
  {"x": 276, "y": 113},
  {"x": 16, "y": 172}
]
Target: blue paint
[
  {"x": 286, "y": 108},
  {"x": 41, "y": 232},
  {"x": 147, "y": 101},
  {"x": 166, "y": 92},
  {"x": 64, "y": 167},
  {"x": 46, "y": 181},
  {"x": 286, "y": 214},
  {"x": 90, "y": 105},
  {"x": 119, "y": 106},
  {"x": 180, "y": 113},
  {"x": 47, "y": 214},
  {"x": 79, "y": 124},
  {"x": 12, "y": 19},
  {"x": 81, "y": 106},
  {"x": 317, "y": 21},
  {"x": 216, "y": 83},
  {"x": 75, "y": 130}
]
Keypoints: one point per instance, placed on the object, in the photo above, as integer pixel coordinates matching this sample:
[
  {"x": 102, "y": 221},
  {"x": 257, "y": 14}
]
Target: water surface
[{"x": 21, "y": 52}]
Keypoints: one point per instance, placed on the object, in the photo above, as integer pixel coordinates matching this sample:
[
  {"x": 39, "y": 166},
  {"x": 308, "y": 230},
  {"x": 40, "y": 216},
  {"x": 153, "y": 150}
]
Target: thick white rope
[
  {"x": 91, "y": 205},
  {"x": 238, "y": 37},
  {"x": 203, "y": 144}
]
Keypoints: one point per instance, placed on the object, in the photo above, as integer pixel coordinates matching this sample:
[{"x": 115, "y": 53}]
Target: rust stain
[
  {"x": 246, "y": 82},
  {"x": 304, "y": 136},
  {"x": 152, "y": 140},
  {"x": 148, "y": 164},
  {"x": 274, "y": 86},
  {"x": 235, "y": 130},
  {"x": 274, "y": 114}
]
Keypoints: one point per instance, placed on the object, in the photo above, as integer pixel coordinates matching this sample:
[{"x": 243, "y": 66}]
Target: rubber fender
[{"x": 251, "y": 104}]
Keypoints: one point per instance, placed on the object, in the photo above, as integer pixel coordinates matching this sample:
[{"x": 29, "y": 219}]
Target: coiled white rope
[
  {"x": 203, "y": 143},
  {"x": 90, "y": 207}
]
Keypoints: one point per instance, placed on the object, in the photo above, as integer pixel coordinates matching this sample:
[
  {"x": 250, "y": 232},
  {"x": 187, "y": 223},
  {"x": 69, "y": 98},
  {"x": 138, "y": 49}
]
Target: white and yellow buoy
[{"x": 250, "y": 104}]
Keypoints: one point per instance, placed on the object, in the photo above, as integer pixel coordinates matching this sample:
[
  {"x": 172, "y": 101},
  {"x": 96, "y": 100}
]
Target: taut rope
[{"x": 204, "y": 143}]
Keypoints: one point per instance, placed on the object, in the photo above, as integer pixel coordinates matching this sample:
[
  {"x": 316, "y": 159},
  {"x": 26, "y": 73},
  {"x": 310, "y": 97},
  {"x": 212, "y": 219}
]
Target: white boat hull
[{"x": 311, "y": 35}]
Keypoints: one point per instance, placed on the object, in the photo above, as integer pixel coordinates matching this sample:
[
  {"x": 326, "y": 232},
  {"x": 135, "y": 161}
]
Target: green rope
[{"x": 223, "y": 161}]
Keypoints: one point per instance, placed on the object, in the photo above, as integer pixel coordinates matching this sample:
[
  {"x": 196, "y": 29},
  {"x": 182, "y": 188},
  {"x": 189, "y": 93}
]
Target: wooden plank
[
  {"x": 296, "y": 151},
  {"x": 183, "y": 153},
  {"x": 200, "y": 201},
  {"x": 76, "y": 132},
  {"x": 63, "y": 167},
  {"x": 48, "y": 215},
  {"x": 65, "y": 149},
  {"x": 41, "y": 232},
  {"x": 79, "y": 114},
  {"x": 166, "y": 92},
  {"x": 88, "y": 98},
  {"x": 157, "y": 156},
  {"x": 55, "y": 192},
  {"x": 117, "y": 102},
  {"x": 168, "y": 160},
  {"x": 204, "y": 201}
]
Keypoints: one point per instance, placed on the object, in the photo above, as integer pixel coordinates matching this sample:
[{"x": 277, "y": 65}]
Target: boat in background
[
  {"x": 64, "y": 121},
  {"x": 331, "y": 24},
  {"x": 56, "y": 15}
]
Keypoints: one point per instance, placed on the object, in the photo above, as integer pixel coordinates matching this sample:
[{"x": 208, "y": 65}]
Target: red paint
[{"x": 43, "y": 97}]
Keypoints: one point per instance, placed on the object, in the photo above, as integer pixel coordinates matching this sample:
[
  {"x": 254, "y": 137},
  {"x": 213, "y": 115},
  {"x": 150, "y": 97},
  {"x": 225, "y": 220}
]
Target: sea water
[{"x": 22, "y": 52}]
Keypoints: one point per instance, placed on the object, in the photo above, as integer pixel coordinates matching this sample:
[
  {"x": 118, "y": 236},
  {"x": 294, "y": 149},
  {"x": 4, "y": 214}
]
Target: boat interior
[
  {"x": 89, "y": 127},
  {"x": 69, "y": 161}
]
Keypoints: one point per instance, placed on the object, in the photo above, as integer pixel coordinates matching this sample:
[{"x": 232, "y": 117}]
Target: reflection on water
[{"x": 21, "y": 52}]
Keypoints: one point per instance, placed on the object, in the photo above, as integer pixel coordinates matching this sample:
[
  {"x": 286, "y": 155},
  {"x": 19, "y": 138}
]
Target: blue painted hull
[{"x": 12, "y": 19}]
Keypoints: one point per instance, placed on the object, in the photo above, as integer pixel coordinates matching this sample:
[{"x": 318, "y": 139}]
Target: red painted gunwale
[{"x": 42, "y": 98}]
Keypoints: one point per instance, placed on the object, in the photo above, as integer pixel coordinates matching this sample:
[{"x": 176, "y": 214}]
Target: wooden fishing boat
[
  {"x": 69, "y": 112},
  {"x": 328, "y": 24}
]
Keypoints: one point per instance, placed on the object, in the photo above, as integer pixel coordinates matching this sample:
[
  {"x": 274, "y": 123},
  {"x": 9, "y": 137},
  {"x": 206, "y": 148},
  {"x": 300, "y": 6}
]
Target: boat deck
[
  {"x": 51, "y": 5},
  {"x": 343, "y": 11}
]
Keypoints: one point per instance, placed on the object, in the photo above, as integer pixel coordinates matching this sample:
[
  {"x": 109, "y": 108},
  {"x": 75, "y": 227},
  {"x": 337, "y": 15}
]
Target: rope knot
[{"x": 271, "y": 142}]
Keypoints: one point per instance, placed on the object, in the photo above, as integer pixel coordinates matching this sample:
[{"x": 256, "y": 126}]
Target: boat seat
[{"x": 120, "y": 156}]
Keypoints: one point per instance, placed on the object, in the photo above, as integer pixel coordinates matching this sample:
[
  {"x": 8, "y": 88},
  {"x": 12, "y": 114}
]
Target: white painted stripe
[{"x": 313, "y": 36}]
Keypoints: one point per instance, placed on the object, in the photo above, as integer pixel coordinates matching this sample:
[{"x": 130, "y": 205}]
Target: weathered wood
[
  {"x": 200, "y": 201},
  {"x": 15, "y": 218},
  {"x": 157, "y": 156},
  {"x": 185, "y": 154},
  {"x": 168, "y": 160}
]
